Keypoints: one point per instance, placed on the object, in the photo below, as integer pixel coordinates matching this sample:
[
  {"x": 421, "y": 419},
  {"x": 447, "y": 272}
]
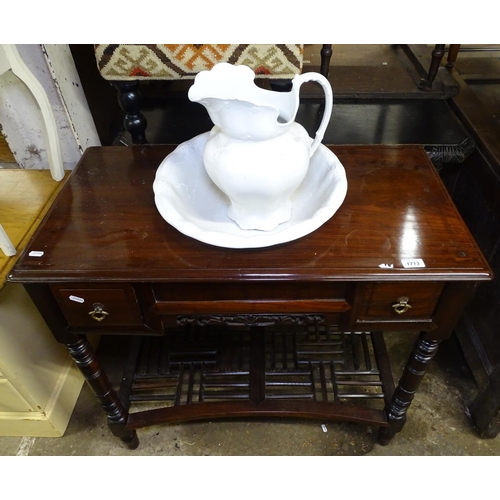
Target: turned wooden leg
[
  {"x": 326, "y": 55},
  {"x": 418, "y": 362},
  {"x": 84, "y": 357},
  {"x": 437, "y": 55},
  {"x": 130, "y": 101},
  {"x": 283, "y": 85},
  {"x": 452, "y": 55}
]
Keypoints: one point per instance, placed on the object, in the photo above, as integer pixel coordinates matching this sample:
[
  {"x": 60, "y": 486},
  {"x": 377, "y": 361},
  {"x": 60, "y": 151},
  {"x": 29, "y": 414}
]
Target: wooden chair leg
[
  {"x": 130, "y": 101},
  {"x": 452, "y": 55},
  {"x": 437, "y": 55},
  {"x": 326, "y": 55}
]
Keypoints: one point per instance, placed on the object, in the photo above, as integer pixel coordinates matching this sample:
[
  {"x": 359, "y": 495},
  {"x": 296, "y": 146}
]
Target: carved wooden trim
[
  {"x": 251, "y": 319},
  {"x": 450, "y": 154}
]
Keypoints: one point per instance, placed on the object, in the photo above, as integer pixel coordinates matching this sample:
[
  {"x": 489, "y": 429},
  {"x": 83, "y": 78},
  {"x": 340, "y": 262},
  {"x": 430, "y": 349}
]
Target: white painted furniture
[
  {"x": 11, "y": 60},
  {"x": 5, "y": 244},
  {"x": 44, "y": 112},
  {"x": 39, "y": 386}
]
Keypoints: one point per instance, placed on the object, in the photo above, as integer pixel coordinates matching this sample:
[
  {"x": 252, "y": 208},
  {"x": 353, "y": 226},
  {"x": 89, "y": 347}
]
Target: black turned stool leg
[
  {"x": 326, "y": 55},
  {"x": 85, "y": 359},
  {"x": 130, "y": 101},
  {"x": 420, "y": 358},
  {"x": 437, "y": 55},
  {"x": 283, "y": 85}
]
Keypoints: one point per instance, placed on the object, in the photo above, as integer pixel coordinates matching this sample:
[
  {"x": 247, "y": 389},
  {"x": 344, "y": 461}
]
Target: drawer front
[
  {"x": 98, "y": 306},
  {"x": 384, "y": 300},
  {"x": 248, "y": 302},
  {"x": 395, "y": 305},
  {"x": 255, "y": 297},
  {"x": 116, "y": 309}
]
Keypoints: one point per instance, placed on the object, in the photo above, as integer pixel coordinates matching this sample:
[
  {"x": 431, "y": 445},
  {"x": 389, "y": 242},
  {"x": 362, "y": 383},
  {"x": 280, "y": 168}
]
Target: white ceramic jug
[{"x": 256, "y": 153}]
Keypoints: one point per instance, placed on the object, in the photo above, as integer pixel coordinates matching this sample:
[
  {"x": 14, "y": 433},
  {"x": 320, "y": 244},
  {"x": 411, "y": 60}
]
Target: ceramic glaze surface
[
  {"x": 254, "y": 185},
  {"x": 256, "y": 153},
  {"x": 189, "y": 200}
]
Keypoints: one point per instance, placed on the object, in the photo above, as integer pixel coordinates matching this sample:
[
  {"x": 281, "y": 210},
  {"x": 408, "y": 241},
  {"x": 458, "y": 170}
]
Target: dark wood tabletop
[{"x": 105, "y": 224}]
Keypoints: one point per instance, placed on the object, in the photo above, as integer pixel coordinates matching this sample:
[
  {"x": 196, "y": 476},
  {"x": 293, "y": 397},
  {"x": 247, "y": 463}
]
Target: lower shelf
[{"x": 205, "y": 372}]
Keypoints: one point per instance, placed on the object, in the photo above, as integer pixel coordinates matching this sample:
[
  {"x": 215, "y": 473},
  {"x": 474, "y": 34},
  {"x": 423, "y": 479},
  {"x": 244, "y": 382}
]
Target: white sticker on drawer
[
  {"x": 412, "y": 263},
  {"x": 35, "y": 253},
  {"x": 74, "y": 298}
]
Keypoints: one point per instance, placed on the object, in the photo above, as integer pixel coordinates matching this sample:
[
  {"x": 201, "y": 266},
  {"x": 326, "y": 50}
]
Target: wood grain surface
[{"x": 105, "y": 225}]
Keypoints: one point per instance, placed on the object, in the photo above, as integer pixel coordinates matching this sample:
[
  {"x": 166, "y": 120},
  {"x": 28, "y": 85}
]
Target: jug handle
[{"x": 327, "y": 88}]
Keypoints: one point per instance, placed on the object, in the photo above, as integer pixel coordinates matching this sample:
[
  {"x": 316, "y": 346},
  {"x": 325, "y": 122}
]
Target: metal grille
[{"x": 202, "y": 364}]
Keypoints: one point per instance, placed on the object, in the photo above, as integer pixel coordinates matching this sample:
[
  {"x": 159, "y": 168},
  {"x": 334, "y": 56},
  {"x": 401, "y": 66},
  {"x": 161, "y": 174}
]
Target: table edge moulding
[{"x": 293, "y": 329}]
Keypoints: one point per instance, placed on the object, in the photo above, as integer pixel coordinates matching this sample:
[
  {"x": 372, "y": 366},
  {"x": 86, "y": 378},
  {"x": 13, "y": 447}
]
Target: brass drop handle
[
  {"x": 401, "y": 306},
  {"x": 98, "y": 313}
]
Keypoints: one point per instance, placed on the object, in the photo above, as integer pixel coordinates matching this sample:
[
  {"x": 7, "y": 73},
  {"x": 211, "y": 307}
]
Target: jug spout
[{"x": 238, "y": 107}]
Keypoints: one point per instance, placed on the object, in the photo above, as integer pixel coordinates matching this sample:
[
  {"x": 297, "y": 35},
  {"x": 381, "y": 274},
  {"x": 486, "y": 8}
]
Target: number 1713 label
[{"x": 412, "y": 263}]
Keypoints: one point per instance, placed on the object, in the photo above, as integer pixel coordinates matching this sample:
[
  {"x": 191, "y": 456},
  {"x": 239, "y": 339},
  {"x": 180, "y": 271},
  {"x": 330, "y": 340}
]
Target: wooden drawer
[
  {"x": 82, "y": 305},
  {"x": 375, "y": 304},
  {"x": 251, "y": 297},
  {"x": 246, "y": 303},
  {"x": 380, "y": 298}
]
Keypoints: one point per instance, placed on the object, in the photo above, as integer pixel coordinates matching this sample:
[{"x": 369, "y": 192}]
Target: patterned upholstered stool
[{"x": 126, "y": 65}]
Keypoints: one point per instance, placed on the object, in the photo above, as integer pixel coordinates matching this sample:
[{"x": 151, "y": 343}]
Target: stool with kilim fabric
[
  {"x": 127, "y": 65},
  {"x": 177, "y": 62}
]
